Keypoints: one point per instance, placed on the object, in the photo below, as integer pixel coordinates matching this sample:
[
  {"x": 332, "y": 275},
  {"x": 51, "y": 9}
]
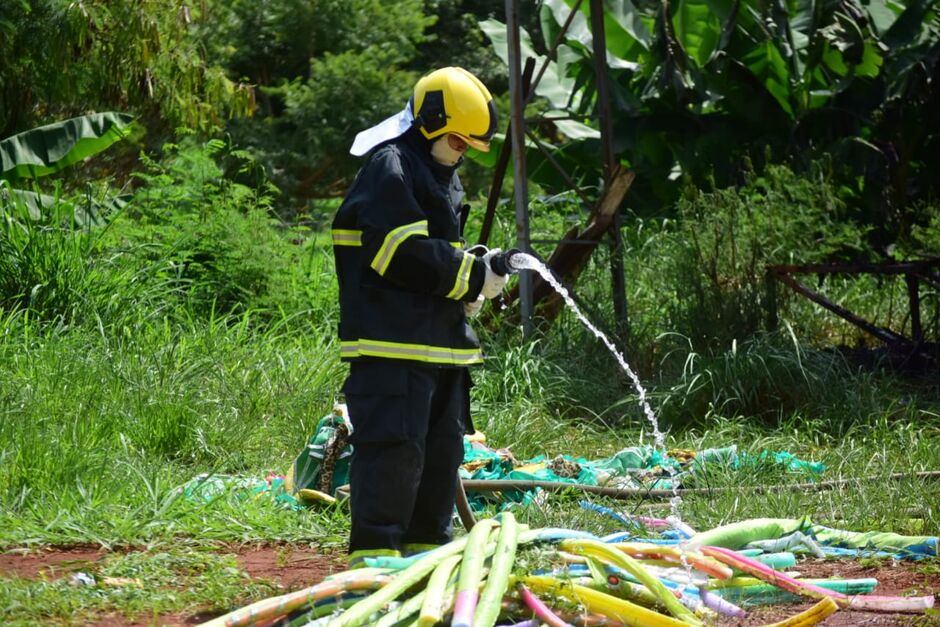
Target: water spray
[{"x": 515, "y": 261}]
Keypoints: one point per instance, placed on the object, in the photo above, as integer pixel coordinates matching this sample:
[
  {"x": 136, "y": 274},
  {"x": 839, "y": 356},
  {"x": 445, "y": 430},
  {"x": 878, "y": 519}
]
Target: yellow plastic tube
[
  {"x": 816, "y": 614},
  {"x": 607, "y": 553},
  {"x": 604, "y": 604}
]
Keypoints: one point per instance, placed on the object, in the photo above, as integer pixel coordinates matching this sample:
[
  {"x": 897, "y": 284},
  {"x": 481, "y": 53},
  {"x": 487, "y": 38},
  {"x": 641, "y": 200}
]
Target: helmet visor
[{"x": 477, "y": 144}]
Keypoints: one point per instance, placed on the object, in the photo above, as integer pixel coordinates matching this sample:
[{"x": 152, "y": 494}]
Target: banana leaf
[
  {"x": 51, "y": 148},
  {"x": 91, "y": 212}
]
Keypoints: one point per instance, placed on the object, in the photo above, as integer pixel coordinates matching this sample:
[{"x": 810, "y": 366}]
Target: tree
[
  {"x": 60, "y": 58},
  {"x": 325, "y": 69},
  {"x": 703, "y": 88}
]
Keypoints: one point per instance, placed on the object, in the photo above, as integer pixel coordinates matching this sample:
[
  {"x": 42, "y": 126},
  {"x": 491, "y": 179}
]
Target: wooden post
[
  {"x": 913, "y": 295},
  {"x": 770, "y": 291},
  {"x": 618, "y": 287}
]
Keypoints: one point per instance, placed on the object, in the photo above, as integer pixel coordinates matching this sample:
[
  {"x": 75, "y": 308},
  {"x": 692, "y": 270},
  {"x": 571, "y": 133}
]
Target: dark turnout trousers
[{"x": 408, "y": 425}]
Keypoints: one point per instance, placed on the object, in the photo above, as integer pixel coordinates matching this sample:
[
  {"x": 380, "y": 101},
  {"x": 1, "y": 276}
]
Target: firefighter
[{"x": 406, "y": 288}]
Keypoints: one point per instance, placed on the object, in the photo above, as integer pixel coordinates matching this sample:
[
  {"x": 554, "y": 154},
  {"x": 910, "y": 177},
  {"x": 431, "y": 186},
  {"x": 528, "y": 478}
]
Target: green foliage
[
  {"x": 342, "y": 97},
  {"x": 47, "y": 265},
  {"x": 925, "y": 240},
  {"x": 326, "y": 70},
  {"x": 60, "y": 58},
  {"x": 103, "y": 423},
  {"x": 48, "y": 149},
  {"x": 725, "y": 239},
  {"x": 221, "y": 249},
  {"x": 699, "y": 88}
]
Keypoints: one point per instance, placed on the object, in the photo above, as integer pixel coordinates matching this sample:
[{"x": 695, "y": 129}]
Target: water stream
[{"x": 523, "y": 261}]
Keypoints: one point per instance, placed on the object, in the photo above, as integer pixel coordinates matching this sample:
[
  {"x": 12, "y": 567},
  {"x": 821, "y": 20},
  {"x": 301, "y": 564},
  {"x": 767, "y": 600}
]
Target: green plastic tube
[
  {"x": 765, "y": 594},
  {"x": 404, "y": 611},
  {"x": 433, "y": 608},
  {"x": 605, "y": 552},
  {"x": 500, "y": 569},
  {"x": 468, "y": 585}
]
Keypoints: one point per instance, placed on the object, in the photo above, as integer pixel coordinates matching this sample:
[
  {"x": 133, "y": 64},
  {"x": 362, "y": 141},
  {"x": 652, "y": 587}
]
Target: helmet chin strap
[{"x": 443, "y": 153}]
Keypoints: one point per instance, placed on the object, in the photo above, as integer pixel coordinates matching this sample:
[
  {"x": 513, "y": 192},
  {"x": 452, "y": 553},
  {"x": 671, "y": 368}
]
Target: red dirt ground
[
  {"x": 894, "y": 579},
  {"x": 297, "y": 567}
]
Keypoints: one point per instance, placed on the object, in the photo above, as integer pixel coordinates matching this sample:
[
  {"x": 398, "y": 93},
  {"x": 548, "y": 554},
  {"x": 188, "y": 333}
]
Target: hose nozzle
[{"x": 501, "y": 262}]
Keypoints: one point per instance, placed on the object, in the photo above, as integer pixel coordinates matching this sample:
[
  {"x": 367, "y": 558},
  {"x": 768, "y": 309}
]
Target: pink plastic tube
[
  {"x": 771, "y": 576},
  {"x": 871, "y": 603},
  {"x": 875, "y": 603},
  {"x": 652, "y": 523},
  {"x": 542, "y": 611}
]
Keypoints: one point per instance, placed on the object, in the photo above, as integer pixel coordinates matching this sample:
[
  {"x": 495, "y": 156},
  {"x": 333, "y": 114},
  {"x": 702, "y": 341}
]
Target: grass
[
  {"x": 110, "y": 403},
  {"x": 159, "y": 580},
  {"x": 99, "y": 431}
]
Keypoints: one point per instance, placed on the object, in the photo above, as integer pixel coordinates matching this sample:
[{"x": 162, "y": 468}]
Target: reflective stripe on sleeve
[
  {"x": 347, "y": 237},
  {"x": 393, "y": 240},
  {"x": 414, "y": 352},
  {"x": 462, "y": 282}
]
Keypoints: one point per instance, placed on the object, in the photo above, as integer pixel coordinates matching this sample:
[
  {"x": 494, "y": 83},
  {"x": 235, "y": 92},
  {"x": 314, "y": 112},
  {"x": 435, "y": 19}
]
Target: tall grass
[{"x": 122, "y": 376}]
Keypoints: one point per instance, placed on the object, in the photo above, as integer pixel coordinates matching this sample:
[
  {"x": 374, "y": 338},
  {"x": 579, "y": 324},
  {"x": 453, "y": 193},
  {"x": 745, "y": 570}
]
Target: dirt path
[{"x": 297, "y": 567}]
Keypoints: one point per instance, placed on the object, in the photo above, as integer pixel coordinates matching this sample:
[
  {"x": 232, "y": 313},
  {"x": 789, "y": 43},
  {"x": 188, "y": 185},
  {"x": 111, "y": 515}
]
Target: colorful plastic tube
[
  {"x": 360, "y": 612},
  {"x": 607, "y": 553},
  {"x": 675, "y": 554},
  {"x": 500, "y": 569},
  {"x": 764, "y": 573},
  {"x": 471, "y": 573},
  {"x": 542, "y": 611},
  {"x": 605, "y": 604},
  {"x": 269, "y": 608},
  {"x": 869, "y": 603}
]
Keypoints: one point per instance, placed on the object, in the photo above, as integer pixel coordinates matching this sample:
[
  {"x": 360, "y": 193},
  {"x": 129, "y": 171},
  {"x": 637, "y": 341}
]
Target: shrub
[
  {"x": 223, "y": 250},
  {"x": 715, "y": 258}
]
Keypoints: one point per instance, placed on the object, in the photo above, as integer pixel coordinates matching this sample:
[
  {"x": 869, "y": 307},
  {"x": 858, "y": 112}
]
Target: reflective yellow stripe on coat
[
  {"x": 347, "y": 237},
  {"x": 414, "y": 352},
  {"x": 393, "y": 240},
  {"x": 462, "y": 282}
]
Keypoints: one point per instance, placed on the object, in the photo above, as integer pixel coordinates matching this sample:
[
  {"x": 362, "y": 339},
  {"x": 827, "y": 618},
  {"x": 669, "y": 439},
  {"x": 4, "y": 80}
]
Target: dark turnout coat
[{"x": 403, "y": 274}]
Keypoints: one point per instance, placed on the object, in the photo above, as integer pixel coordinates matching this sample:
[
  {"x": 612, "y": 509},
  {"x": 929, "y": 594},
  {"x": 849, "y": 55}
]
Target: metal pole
[
  {"x": 600, "y": 76},
  {"x": 520, "y": 182},
  {"x": 499, "y": 172},
  {"x": 618, "y": 286}
]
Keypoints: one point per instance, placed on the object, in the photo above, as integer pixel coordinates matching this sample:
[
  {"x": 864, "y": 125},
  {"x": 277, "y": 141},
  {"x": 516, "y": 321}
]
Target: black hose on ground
[
  {"x": 463, "y": 506},
  {"x": 500, "y": 485}
]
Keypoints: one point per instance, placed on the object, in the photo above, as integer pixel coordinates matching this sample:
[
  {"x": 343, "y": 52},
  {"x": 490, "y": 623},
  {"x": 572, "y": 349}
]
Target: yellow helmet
[{"x": 452, "y": 100}]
